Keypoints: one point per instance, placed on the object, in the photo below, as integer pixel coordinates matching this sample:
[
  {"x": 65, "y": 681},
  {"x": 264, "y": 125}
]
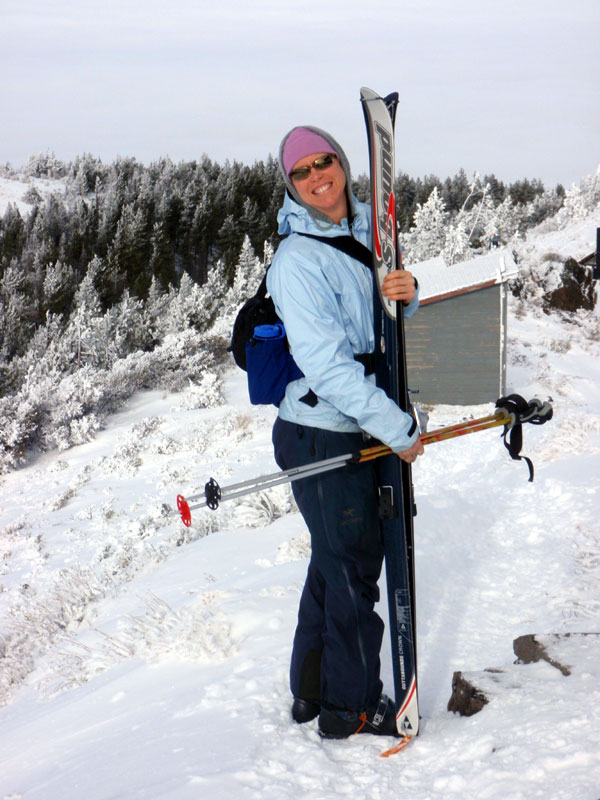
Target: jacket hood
[
  {"x": 295, "y": 217},
  {"x": 322, "y": 220}
]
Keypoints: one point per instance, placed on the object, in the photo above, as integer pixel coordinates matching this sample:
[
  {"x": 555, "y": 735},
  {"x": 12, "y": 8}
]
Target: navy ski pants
[{"x": 335, "y": 657}]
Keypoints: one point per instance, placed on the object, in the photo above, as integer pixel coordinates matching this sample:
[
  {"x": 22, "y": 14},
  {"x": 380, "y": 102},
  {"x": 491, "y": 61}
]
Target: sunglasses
[{"x": 320, "y": 163}]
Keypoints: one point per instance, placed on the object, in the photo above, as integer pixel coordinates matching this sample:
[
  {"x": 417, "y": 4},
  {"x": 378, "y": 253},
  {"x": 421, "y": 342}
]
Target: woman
[{"x": 325, "y": 300}]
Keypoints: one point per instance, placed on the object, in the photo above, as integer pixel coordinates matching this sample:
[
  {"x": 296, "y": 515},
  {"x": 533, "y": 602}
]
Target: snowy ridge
[
  {"x": 141, "y": 659},
  {"x": 13, "y": 191}
]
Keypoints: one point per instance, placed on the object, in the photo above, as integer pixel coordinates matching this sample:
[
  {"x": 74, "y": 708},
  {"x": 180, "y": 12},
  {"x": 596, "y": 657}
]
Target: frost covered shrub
[
  {"x": 187, "y": 307},
  {"x": 295, "y": 549},
  {"x": 206, "y": 393},
  {"x": 263, "y": 508},
  {"x": 35, "y": 623},
  {"x": 19, "y": 426},
  {"x": 196, "y": 633},
  {"x": 126, "y": 458},
  {"x": 580, "y": 200},
  {"x": 71, "y": 410},
  {"x": 85, "y": 360},
  {"x": 49, "y": 412},
  {"x": 58, "y": 411},
  {"x": 182, "y": 358}
]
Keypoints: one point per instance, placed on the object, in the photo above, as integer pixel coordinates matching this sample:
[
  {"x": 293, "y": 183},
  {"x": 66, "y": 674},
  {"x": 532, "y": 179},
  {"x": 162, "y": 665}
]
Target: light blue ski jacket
[{"x": 325, "y": 300}]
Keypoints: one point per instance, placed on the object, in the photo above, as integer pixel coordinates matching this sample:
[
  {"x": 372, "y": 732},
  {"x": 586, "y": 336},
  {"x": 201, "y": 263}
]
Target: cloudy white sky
[{"x": 503, "y": 86}]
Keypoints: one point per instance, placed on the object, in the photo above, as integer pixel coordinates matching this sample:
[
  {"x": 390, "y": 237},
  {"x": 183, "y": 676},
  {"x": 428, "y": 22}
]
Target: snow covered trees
[
  {"x": 82, "y": 362},
  {"x": 128, "y": 264},
  {"x": 461, "y": 218}
]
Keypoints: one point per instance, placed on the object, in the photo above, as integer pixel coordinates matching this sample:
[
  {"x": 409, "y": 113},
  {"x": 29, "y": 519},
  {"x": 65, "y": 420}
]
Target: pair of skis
[{"x": 397, "y": 506}]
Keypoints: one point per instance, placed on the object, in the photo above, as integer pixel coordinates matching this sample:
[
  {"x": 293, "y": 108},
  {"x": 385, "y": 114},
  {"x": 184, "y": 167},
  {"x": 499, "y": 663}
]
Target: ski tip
[
  {"x": 368, "y": 94},
  {"x": 404, "y": 742}
]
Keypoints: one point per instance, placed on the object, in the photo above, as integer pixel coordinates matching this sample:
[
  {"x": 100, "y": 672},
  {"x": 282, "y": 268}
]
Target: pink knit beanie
[{"x": 303, "y": 142}]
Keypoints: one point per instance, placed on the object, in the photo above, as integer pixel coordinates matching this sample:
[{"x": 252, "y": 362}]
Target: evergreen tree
[
  {"x": 361, "y": 188},
  {"x": 40, "y": 358},
  {"x": 508, "y": 219},
  {"x": 575, "y": 205},
  {"x": 405, "y": 191},
  {"x": 12, "y": 234},
  {"x": 156, "y": 307},
  {"x": 162, "y": 262},
  {"x": 125, "y": 328},
  {"x": 248, "y": 275},
  {"x": 250, "y": 220},
  {"x": 32, "y": 196},
  {"x": 197, "y": 246},
  {"x": 480, "y": 220},
  {"x": 525, "y": 191},
  {"x": 87, "y": 298},
  {"x": 45, "y": 165},
  {"x": 59, "y": 287},
  {"x": 497, "y": 189},
  {"x": 214, "y": 292},
  {"x": 455, "y": 191},
  {"x": 84, "y": 341},
  {"x": 427, "y": 237},
  {"x": 86, "y": 316},
  {"x": 229, "y": 241},
  {"x": 187, "y": 308},
  {"x": 457, "y": 244},
  {"x": 128, "y": 254},
  {"x": 16, "y": 315}
]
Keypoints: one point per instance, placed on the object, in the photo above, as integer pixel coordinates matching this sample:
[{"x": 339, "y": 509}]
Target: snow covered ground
[
  {"x": 12, "y": 190},
  {"x": 141, "y": 659}
]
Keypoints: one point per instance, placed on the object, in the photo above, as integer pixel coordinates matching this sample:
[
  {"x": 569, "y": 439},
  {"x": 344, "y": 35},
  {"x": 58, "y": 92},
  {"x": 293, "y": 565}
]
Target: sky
[{"x": 510, "y": 88}]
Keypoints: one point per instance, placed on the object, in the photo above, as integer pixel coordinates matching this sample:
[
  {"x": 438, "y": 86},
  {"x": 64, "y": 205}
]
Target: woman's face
[{"x": 323, "y": 190}]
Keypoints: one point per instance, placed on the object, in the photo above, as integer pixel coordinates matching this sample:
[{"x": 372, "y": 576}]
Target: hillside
[{"x": 141, "y": 659}]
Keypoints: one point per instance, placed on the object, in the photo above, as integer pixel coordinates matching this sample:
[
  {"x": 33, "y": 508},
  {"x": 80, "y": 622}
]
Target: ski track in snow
[{"x": 142, "y": 659}]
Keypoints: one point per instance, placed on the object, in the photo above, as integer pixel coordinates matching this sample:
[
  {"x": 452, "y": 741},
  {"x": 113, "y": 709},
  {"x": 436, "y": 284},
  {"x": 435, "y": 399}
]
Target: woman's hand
[
  {"x": 412, "y": 453},
  {"x": 399, "y": 285}
]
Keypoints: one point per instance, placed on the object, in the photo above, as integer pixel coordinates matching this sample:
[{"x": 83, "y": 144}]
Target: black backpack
[
  {"x": 259, "y": 343},
  {"x": 257, "y": 310}
]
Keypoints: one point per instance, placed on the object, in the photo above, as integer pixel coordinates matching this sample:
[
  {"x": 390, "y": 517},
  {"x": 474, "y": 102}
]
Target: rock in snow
[{"x": 567, "y": 652}]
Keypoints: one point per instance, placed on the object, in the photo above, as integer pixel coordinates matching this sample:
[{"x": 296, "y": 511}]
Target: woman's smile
[{"x": 325, "y": 189}]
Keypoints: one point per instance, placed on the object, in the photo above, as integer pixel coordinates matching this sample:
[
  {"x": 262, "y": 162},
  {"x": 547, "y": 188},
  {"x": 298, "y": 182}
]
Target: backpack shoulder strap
[{"x": 347, "y": 244}]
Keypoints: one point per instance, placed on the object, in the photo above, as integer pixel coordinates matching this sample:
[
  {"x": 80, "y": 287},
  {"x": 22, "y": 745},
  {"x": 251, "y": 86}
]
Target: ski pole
[
  {"x": 535, "y": 411},
  {"x": 469, "y": 426},
  {"x": 214, "y": 494}
]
